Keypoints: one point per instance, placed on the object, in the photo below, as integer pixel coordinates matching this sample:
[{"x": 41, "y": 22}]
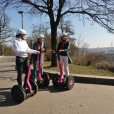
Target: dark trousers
[{"x": 22, "y": 66}]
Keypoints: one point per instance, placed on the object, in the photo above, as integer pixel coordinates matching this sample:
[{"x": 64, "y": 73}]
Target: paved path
[{"x": 82, "y": 99}]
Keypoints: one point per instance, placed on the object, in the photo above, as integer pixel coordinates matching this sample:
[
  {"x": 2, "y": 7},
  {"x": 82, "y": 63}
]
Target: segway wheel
[
  {"x": 34, "y": 86},
  {"x": 55, "y": 80},
  {"x": 69, "y": 82},
  {"x": 18, "y": 93},
  {"x": 46, "y": 81}
]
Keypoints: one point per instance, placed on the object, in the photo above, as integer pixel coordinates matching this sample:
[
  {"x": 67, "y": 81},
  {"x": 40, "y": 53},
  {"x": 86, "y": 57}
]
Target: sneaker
[
  {"x": 60, "y": 80},
  {"x": 35, "y": 79},
  {"x": 30, "y": 91}
]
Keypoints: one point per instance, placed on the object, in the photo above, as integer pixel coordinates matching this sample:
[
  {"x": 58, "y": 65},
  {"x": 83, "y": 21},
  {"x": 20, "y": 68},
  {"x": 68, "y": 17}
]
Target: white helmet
[
  {"x": 41, "y": 36},
  {"x": 64, "y": 34},
  {"x": 21, "y": 31}
]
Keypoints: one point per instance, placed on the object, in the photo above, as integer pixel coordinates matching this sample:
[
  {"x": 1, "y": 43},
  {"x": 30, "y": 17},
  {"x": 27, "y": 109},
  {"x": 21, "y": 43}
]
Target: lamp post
[{"x": 21, "y": 12}]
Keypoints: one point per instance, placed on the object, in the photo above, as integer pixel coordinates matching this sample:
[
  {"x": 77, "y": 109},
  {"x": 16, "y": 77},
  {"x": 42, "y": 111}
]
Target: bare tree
[
  {"x": 100, "y": 11},
  {"x": 42, "y": 29},
  {"x": 81, "y": 50},
  {"x": 81, "y": 45},
  {"x": 66, "y": 26},
  {"x": 6, "y": 32}
]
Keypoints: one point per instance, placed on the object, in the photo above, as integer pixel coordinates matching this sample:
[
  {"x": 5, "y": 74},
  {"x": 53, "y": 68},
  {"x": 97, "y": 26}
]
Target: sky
[{"x": 94, "y": 35}]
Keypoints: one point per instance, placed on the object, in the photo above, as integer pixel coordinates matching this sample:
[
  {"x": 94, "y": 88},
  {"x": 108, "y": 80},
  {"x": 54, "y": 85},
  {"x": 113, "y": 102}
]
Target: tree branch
[{"x": 39, "y": 7}]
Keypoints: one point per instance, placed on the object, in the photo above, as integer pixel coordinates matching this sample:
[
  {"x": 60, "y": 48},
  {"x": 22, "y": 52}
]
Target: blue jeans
[{"x": 35, "y": 70}]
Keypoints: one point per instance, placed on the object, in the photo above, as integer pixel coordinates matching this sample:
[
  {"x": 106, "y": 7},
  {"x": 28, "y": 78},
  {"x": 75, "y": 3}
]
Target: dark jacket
[
  {"x": 35, "y": 46},
  {"x": 64, "y": 46}
]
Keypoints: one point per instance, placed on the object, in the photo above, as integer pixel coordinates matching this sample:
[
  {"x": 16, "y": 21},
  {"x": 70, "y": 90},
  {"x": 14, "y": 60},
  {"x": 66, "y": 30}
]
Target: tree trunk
[{"x": 54, "y": 44}]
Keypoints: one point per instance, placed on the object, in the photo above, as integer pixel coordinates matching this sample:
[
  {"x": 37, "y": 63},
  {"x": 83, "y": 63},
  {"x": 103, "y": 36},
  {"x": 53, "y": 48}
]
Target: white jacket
[{"x": 21, "y": 48}]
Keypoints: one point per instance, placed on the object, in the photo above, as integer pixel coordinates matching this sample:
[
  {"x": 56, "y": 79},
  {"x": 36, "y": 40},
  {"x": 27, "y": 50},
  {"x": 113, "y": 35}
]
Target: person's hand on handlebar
[{"x": 61, "y": 50}]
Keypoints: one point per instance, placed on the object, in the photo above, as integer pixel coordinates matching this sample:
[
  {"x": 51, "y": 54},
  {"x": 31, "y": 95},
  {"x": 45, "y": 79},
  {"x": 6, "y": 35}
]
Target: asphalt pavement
[{"x": 87, "y": 97}]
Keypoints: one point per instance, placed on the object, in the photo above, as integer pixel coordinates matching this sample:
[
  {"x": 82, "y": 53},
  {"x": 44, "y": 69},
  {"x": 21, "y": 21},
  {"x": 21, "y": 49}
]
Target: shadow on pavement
[
  {"x": 51, "y": 89},
  {"x": 6, "y": 70},
  {"x": 6, "y": 98},
  {"x": 42, "y": 89},
  {"x": 56, "y": 90}
]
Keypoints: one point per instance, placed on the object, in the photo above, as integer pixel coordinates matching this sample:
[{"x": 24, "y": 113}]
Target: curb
[
  {"x": 1, "y": 56},
  {"x": 89, "y": 79}
]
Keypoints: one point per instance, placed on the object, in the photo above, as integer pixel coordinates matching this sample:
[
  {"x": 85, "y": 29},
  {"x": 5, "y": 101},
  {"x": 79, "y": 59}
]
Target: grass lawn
[{"x": 76, "y": 69}]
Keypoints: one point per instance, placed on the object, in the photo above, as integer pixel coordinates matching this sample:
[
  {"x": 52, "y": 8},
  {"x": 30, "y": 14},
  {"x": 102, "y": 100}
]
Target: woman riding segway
[
  {"x": 41, "y": 78},
  {"x": 62, "y": 50}
]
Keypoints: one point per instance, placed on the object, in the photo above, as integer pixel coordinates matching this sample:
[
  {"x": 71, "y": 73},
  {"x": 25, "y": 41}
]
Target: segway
[
  {"x": 60, "y": 82},
  {"x": 43, "y": 78},
  {"x": 20, "y": 93}
]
